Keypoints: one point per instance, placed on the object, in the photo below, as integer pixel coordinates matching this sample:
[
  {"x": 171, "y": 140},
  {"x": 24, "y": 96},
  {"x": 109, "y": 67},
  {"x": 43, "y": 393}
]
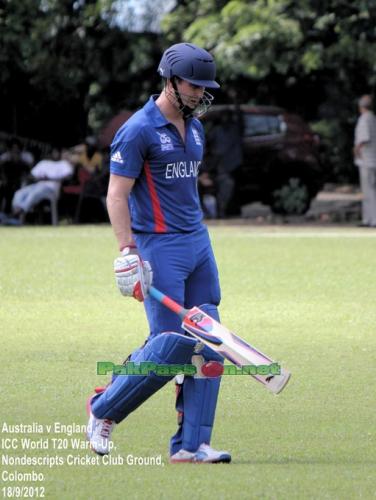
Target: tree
[
  {"x": 67, "y": 64},
  {"x": 311, "y": 56}
]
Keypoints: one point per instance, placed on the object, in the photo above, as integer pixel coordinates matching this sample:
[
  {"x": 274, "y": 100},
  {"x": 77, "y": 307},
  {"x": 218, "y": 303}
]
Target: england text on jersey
[{"x": 182, "y": 169}]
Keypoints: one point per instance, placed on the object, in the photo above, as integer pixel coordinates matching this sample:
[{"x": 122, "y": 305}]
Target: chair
[
  {"x": 53, "y": 199},
  {"x": 74, "y": 192}
]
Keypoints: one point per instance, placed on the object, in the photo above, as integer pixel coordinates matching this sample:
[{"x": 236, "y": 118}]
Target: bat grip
[{"x": 166, "y": 301}]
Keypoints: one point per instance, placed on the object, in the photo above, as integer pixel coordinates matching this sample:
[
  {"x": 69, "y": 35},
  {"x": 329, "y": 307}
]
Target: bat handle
[{"x": 166, "y": 301}]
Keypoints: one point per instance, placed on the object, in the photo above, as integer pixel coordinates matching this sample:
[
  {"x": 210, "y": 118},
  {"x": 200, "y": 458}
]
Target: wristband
[{"x": 132, "y": 245}]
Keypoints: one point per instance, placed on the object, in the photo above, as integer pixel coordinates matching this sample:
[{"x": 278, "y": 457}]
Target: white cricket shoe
[
  {"x": 99, "y": 434},
  {"x": 205, "y": 454},
  {"x": 182, "y": 456}
]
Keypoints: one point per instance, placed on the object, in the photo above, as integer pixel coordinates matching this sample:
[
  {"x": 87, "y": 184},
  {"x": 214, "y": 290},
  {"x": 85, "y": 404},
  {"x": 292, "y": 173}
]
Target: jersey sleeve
[{"x": 128, "y": 151}]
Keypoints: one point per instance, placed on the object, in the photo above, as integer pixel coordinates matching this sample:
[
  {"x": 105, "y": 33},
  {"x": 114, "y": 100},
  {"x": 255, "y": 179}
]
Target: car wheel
[{"x": 292, "y": 197}]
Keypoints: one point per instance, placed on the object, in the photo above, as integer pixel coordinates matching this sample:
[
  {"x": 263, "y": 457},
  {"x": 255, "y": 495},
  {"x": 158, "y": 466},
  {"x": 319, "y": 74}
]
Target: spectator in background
[
  {"x": 94, "y": 190},
  {"x": 225, "y": 143},
  {"x": 365, "y": 159},
  {"x": 47, "y": 176},
  {"x": 87, "y": 156},
  {"x": 26, "y": 156},
  {"x": 14, "y": 168},
  {"x": 88, "y": 165}
]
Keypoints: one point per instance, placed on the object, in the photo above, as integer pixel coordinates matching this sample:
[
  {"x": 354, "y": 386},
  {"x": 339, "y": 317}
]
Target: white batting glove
[{"x": 133, "y": 275}]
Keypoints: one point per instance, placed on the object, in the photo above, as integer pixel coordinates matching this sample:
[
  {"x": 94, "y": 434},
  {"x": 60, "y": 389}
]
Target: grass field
[{"x": 306, "y": 296}]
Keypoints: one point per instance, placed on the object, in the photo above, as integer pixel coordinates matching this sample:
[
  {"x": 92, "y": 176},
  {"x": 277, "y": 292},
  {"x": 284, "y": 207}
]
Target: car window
[{"x": 261, "y": 125}]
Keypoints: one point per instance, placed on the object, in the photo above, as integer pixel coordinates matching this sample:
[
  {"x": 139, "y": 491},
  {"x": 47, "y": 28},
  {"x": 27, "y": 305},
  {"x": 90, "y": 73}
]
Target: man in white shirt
[
  {"x": 365, "y": 159},
  {"x": 48, "y": 175}
]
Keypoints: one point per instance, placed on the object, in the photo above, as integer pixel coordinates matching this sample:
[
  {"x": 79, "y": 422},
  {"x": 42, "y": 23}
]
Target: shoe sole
[
  {"x": 219, "y": 461},
  {"x": 225, "y": 460},
  {"x": 188, "y": 461}
]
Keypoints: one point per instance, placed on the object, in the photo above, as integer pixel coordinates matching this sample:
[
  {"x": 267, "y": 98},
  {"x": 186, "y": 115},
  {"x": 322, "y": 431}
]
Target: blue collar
[{"x": 154, "y": 113}]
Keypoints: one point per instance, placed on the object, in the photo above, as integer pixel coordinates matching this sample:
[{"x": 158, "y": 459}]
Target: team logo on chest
[
  {"x": 166, "y": 142},
  {"x": 196, "y": 137}
]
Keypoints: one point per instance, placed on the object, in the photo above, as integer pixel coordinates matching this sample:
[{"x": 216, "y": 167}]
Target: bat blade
[{"x": 236, "y": 350}]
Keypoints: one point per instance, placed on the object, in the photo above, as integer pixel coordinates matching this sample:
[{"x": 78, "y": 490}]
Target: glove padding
[{"x": 133, "y": 275}]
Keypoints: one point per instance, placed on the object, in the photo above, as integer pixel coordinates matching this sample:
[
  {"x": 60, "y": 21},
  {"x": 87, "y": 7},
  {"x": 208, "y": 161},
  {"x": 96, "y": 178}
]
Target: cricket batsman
[{"x": 155, "y": 213}]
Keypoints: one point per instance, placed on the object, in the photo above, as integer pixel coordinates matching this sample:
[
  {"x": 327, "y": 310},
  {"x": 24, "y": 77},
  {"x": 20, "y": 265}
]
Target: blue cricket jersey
[{"x": 149, "y": 148}]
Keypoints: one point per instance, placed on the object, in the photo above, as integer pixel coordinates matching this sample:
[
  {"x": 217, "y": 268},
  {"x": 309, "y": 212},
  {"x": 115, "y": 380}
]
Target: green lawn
[{"x": 306, "y": 297}]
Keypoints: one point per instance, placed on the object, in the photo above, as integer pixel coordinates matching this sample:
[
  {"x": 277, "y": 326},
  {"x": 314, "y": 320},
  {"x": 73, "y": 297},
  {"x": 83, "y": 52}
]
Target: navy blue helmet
[{"x": 190, "y": 63}]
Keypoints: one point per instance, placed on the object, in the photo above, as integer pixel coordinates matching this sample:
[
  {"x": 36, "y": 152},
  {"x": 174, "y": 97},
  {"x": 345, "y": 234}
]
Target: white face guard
[{"x": 192, "y": 108}]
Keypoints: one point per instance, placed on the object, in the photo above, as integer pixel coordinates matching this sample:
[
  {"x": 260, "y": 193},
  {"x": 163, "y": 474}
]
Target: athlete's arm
[
  {"x": 133, "y": 276},
  {"x": 117, "y": 205}
]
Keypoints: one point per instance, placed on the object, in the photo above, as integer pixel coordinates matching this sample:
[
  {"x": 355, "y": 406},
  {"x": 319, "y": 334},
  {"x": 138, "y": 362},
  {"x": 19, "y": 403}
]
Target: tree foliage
[
  {"x": 65, "y": 63},
  {"x": 312, "y": 56},
  {"x": 283, "y": 37}
]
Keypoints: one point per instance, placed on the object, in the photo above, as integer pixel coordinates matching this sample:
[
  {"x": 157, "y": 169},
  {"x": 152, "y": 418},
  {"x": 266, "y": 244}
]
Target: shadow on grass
[{"x": 303, "y": 461}]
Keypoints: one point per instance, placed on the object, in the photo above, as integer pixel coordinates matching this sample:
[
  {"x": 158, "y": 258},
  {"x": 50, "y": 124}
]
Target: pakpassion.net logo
[{"x": 208, "y": 369}]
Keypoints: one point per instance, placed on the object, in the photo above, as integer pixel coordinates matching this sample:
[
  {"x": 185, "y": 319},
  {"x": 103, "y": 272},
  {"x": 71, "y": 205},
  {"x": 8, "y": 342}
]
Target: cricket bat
[{"x": 219, "y": 338}]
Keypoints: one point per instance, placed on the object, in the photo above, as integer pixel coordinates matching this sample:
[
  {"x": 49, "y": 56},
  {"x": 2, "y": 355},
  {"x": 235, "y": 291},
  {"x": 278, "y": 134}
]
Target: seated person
[
  {"x": 47, "y": 176},
  {"x": 88, "y": 165},
  {"x": 15, "y": 145},
  {"x": 87, "y": 156}
]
